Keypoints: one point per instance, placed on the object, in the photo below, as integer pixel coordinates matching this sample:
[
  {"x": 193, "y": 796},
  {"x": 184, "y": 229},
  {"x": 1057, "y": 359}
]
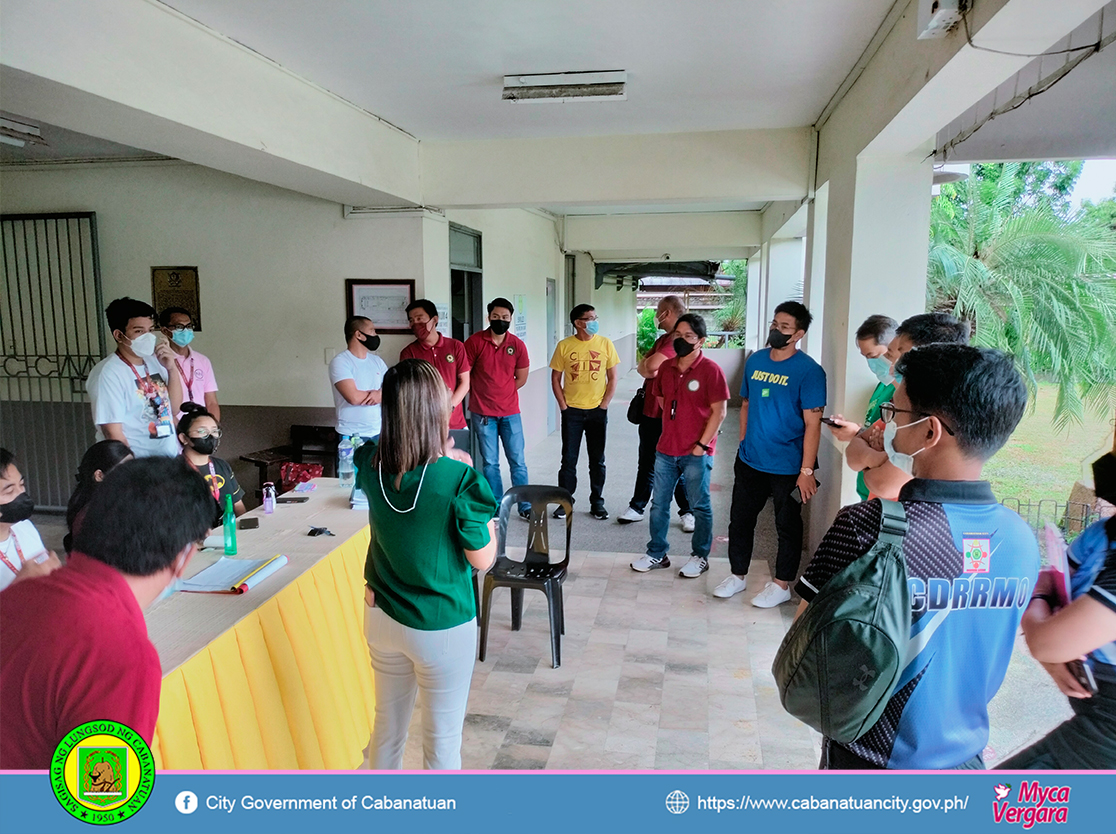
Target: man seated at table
[{"x": 75, "y": 645}]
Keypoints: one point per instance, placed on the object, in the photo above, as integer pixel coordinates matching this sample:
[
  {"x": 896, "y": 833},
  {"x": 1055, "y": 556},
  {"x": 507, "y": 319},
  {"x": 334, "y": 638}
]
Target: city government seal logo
[{"x": 102, "y": 772}]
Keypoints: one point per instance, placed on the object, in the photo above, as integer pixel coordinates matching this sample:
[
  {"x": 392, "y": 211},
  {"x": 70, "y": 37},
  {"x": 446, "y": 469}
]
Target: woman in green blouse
[{"x": 431, "y": 521}]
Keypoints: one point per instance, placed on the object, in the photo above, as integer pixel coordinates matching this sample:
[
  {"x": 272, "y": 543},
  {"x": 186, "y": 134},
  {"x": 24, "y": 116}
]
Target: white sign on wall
[
  {"x": 444, "y": 320},
  {"x": 520, "y": 316}
]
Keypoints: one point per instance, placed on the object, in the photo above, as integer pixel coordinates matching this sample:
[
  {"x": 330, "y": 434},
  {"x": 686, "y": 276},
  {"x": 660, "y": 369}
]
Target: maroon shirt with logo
[
  {"x": 448, "y": 356},
  {"x": 75, "y": 649},
  {"x": 664, "y": 345},
  {"x": 492, "y": 391},
  {"x": 688, "y": 398}
]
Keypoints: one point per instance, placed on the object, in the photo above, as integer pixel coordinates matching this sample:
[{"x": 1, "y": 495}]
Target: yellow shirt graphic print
[{"x": 584, "y": 366}]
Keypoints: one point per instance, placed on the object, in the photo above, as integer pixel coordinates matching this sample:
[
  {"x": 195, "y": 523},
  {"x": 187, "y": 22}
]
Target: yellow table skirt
[{"x": 289, "y": 687}]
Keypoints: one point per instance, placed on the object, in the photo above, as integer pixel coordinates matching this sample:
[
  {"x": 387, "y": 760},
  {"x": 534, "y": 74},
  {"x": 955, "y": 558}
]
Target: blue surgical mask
[
  {"x": 881, "y": 368},
  {"x": 899, "y": 459},
  {"x": 184, "y": 337},
  {"x": 591, "y": 327}
]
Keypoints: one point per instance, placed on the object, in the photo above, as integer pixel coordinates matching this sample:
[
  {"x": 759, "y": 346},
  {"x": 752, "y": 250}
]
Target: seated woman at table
[
  {"x": 431, "y": 523},
  {"x": 99, "y": 459},
  {"x": 199, "y": 435}
]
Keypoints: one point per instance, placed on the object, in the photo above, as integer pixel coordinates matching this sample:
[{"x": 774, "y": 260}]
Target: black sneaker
[
  {"x": 599, "y": 513},
  {"x": 559, "y": 512},
  {"x": 525, "y": 514}
]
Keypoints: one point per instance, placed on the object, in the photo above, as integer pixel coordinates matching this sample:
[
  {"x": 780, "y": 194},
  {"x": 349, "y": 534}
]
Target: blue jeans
[
  {"x": 694, "y": 472},
  {"x": 488, "y": 432}
]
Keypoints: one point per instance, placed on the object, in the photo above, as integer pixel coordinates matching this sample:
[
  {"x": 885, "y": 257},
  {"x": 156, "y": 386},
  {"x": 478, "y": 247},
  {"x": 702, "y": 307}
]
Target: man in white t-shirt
[
  {"x": 136, "y": 390},
  {"x": 22, "y": 555},
  {"x": 357, "y": 374},
  {"x": 199, "y": 385}
]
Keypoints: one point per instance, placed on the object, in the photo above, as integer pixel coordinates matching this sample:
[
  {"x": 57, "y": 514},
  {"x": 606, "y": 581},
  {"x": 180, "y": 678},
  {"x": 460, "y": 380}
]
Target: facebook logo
[{"x": 186, "y": 802}]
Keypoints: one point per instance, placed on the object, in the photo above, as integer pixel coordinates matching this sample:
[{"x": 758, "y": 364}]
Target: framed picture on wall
[
  {"x": 385, "y": 302},
  {"x": 177, "y": 286}
]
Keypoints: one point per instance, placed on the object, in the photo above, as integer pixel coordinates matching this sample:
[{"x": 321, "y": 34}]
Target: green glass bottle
[{"x": 230, "y": 527}]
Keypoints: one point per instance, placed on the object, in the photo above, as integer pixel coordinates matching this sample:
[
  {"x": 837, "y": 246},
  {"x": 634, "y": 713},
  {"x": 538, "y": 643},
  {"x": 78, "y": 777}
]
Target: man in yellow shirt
[{"x": 583, "y": 375}]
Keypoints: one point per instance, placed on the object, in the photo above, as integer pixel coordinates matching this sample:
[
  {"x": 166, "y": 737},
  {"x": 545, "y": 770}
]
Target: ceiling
[
  {"x": 1074, "y": 120},
  {"x": 435, "y": 67}
]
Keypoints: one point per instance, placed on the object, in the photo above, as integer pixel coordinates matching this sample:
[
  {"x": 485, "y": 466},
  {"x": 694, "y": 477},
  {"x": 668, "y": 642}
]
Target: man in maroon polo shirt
[
  {"x": 499, "y": 365},
  {"x": 693, "y": 395},
  {"x": 651, "y": 421},
  {"x": 444, "y": 353},
  {"x": 75, "y": 647}
]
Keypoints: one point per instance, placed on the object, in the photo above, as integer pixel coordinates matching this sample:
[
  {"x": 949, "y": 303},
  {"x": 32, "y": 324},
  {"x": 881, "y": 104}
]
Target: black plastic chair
[{"x": 535, "y": 571}]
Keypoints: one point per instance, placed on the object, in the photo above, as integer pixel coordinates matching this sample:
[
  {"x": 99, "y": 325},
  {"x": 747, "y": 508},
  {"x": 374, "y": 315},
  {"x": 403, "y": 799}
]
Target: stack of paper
[{"x": 233, "y": 576}]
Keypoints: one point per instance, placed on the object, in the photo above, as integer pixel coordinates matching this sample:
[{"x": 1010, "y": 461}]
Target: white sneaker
[
  {"x": 770, "y": 596},
  {"x": 695, "y": 567},
  {"x": 629, "y": 516},
  {"x": 688, "y": 523},
  {"x": 730, "y": 586},
  {"x": 645, "y": 563}
]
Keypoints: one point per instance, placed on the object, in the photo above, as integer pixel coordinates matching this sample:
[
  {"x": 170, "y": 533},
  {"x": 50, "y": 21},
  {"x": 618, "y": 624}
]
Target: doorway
[{"x": 466, "y": 289}]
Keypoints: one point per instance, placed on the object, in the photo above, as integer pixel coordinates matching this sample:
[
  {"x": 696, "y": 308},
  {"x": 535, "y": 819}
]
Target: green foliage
[
  {"x": 1032, "y": 281},
  {"x": 646, "y": 332},
  {"x": 734, "y": 314}
]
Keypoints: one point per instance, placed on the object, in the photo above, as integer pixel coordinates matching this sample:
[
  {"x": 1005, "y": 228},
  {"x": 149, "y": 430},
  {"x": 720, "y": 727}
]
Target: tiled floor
[{"x": 656, "y": 674}]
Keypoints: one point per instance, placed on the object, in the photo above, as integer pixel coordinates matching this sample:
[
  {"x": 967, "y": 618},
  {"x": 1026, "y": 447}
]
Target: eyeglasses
[
  {"x": 200, "y": 433},
  {"x": 178, "y": 328},
  {"x": 594, "y": 318},
  {"x": 691, "y": 337},
  {"x": 889, "y": 410}
]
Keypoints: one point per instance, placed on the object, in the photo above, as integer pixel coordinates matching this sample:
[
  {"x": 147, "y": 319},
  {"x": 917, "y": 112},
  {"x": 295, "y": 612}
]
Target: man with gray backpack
[{"x": 912, "y": 692}]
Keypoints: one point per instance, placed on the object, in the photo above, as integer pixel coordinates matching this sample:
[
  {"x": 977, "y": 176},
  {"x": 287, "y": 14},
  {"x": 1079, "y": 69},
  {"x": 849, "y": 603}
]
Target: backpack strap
[{"x": 893, "y": 522}]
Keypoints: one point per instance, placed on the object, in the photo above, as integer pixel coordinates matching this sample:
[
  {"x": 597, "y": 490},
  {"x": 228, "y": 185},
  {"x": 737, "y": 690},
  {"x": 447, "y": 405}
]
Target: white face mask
[
  {"x": 144, "y": 345},
  {"x": 900, "y": 459}
]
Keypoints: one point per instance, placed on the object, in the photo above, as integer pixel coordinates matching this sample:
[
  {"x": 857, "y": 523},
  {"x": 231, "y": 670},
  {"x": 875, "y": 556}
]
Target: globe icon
[{"x": 677, "y": 802}]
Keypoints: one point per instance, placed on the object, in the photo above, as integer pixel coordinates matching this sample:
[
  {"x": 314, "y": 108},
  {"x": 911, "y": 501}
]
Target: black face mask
[
  {"x": 777, "y": 340},
  {"x": 18, "y": 509},
  {"x": 204, "y": 445},
  {"x": 683, "y": 348},
  {"x": 499, "y": 326},
  {"x": 370, "y": 342}
]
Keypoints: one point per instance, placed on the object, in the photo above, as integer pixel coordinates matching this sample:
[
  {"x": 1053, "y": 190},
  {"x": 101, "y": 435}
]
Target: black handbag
[{"x": 635, "y": 408}]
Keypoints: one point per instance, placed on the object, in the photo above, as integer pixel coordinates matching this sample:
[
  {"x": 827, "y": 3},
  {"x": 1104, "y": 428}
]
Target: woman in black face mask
[
  {"x": 22, "y": 554},
  {"x": 199, "y": 435}
]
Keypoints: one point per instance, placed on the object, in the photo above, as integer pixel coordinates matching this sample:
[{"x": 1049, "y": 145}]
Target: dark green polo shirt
[
  {"x": 416, "y": 562},
  {"x": 882, "y": 394}
]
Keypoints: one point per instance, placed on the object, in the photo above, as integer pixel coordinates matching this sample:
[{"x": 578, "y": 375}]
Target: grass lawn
[{"x": 1039, "y": 464}]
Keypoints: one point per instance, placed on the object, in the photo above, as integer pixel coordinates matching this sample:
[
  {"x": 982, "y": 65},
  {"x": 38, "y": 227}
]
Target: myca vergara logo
[
  {"x": 1033, "y": 804},
  {"x": 102, "y": 772}
]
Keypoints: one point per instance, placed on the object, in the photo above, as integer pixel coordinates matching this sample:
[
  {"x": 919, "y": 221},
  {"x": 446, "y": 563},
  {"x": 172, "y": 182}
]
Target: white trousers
[{"x": 405, "y": 660}]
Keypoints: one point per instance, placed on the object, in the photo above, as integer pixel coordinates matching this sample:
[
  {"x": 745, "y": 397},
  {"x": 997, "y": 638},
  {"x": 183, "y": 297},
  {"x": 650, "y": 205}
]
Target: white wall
[{"x": 272, "y": 263}]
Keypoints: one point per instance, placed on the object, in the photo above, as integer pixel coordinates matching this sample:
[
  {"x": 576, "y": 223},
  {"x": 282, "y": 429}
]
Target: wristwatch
[
  {"x": 806, "y": 470},
  {"x": 702, "y": 445}
]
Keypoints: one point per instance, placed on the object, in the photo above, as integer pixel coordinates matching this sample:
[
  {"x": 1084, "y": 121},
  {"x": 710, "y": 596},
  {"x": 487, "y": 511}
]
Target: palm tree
[{"x": 1035, "y": 284}]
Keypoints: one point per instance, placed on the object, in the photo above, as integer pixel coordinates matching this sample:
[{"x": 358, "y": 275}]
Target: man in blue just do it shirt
[
  {"x": 971, "y": 562},
  {"x": 780, "y": 427}
]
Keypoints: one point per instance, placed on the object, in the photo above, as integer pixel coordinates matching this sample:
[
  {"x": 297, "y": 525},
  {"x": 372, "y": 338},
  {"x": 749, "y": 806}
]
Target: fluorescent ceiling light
[
  {"x": 561, "y": 87},
  {"x": 17, "y": 133}
]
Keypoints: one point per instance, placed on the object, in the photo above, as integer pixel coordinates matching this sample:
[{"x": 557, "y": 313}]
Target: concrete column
[
  {"x": 755, "y": 326},
  {"x": 877, "y": 217},
  {"x": 814, "y": 283},
  {"x": 785, "y": 273}
]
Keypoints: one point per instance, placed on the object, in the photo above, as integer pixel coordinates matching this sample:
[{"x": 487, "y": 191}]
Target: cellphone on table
[
  {"x": 292, "y": 499},
  {"x": 249, "y": 523},
  {"x": 829, "y": 421},
  {"x": 1082, "y": 670}
]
